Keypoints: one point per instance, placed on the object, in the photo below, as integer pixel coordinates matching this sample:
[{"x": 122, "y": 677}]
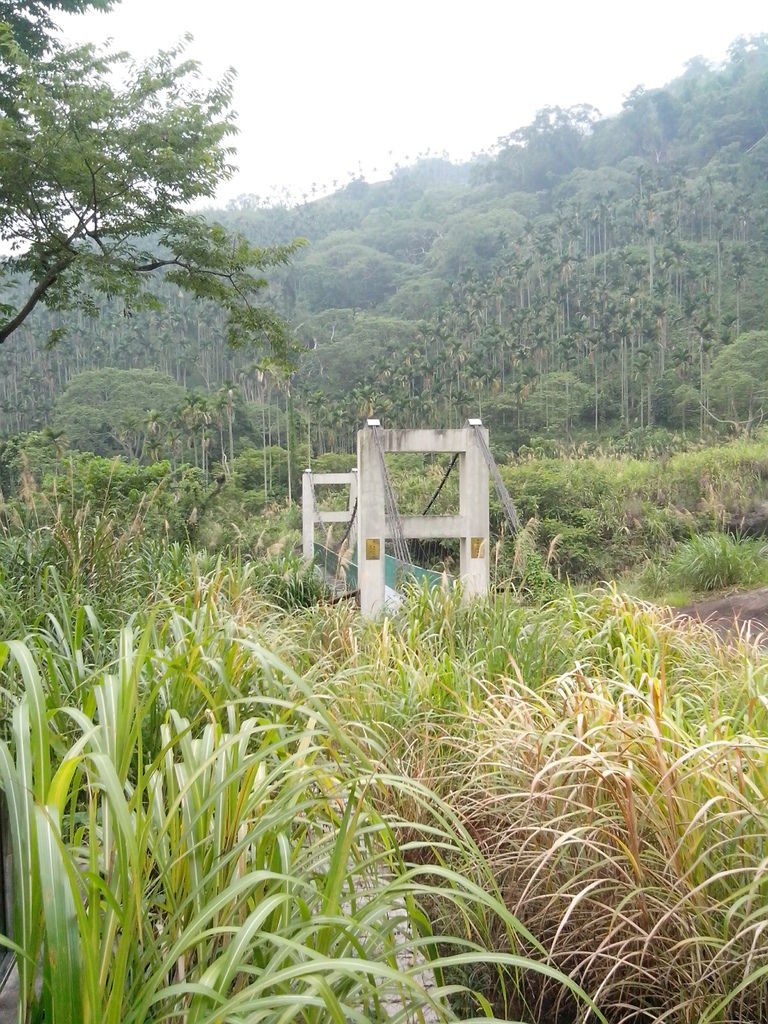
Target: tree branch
[
  {"x": 746, "y": 425},
  {"x": 50, "y": 278},
  {"x": 148, "y": 268}
]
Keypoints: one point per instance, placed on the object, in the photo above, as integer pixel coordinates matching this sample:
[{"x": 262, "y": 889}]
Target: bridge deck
[{"x": 396, "y": 573}]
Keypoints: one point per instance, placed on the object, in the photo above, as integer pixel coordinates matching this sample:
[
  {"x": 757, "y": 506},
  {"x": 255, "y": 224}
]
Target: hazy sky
[{"x": 327, "y": 88}]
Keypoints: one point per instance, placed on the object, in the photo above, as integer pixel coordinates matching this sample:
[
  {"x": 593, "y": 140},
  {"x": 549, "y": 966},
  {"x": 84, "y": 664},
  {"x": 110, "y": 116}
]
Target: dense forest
[{"x": 588, "y": 277}]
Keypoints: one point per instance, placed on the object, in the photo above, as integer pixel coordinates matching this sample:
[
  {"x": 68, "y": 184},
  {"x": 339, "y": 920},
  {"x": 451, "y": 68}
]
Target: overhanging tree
[
  {"x": 31, "y": 21},
  {"x": 100, "y": 160}
]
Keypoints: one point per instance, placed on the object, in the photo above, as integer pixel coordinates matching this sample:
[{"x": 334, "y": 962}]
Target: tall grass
[
  {"x": 196, "y": 839},
  {"x": 716, "y": 561},
  {"x": 612, "y": 766},
  {"x": 224, "y": 811}
]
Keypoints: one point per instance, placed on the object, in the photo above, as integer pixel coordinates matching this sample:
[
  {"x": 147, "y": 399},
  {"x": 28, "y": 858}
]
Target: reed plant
[
  {"x": 197, "y": 839},
  {"x": 228, "y": 811},
  {"x": 717, "y": 561},
  {"x": 616, "y": 783}
]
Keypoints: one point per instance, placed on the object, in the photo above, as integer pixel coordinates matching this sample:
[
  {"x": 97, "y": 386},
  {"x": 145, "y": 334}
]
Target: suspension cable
[
  {"x": 399, "y": 543},
  {"x": 506, "y": 501},
  {"x": 350, "y": 524},
  {"x": 443, "y": 482}
]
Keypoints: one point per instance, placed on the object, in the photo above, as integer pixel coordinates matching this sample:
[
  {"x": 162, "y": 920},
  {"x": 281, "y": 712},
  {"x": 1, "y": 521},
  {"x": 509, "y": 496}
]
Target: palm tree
[
  {"x": 57, "y": 439},
  {"x": 224, "y": 415},
  {"x": 739, "y": 259},
  {"x": 204, "y": 417},
  {"x": 155, "y": 429},
  {"x": 195, "y": 415}
]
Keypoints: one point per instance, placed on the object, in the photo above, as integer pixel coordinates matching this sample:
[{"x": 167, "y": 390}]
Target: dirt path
[{"x": 732, "y": 611}]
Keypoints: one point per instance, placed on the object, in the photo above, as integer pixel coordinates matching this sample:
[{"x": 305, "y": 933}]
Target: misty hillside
[{"x": 589, "y": 275}]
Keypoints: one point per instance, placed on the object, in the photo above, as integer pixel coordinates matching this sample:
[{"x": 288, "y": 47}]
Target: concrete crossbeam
[
  {"x": 430, "y": 527},
  {"x": 422, "y": 441},
  {"x": 333, "y": 516},
  {"x": 320, "y": 479}
]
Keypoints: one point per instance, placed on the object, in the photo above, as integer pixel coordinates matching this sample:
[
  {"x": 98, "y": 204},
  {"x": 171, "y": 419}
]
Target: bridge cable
[
  {"x": 399, "y": 543},
  {"x": 507, "y": 504},
  {"x": 345, "y": 555},
  {"x": 350, "y": 524},
  {"x": 443, "y": 482}
]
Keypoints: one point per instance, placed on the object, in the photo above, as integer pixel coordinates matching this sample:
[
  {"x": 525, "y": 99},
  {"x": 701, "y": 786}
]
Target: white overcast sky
[{"x": 327, "y": 88}]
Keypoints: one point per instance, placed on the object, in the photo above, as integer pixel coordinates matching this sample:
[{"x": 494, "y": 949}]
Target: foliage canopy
[
  {"x": 31, "y": 21},
  {"x": 115, "y": 411},
  {"x": 738, "y": 376},
  {"x": 100, "y": 160}
]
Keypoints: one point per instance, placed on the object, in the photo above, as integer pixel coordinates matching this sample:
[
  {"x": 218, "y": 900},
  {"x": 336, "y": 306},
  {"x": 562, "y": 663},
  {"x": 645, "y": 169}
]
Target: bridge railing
[
  {"x": 342, "y": 568},
  {"x": 396, "y": 573}
]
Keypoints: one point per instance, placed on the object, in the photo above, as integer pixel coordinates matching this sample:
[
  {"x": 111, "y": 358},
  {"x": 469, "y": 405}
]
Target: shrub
[
  {"x": 716, "y": 561},
  {"x": 530, "y": 574},
  {"x": 288, "y": 581},
  {"x": 653, "y": 580}
]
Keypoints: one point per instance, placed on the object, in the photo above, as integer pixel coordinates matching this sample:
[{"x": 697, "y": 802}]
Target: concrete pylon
[
  {"x": 371, "y": 522},
  {"x": 307, "y": 516},
  {"x": 474, "y": 483},
  {"x": 470, "y": 526},
  {"x": 311, "y": 515}
]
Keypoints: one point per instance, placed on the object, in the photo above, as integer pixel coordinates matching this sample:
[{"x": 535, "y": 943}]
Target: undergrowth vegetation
[
  {"x": 198, "y": 837},
  {"x": 232, "y": 803},
  {"x": 607, "y": 516},
  {"x": 717, "y": 561},
  {"x": 611, "y": 764}
]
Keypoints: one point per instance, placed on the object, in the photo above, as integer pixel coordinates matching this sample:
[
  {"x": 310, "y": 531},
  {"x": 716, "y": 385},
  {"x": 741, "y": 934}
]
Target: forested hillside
[{"x": 588, "y": 277}]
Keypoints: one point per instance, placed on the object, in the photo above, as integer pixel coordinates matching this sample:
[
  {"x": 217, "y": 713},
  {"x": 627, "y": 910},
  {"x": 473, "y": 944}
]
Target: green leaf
[{"x": 62, "y": 983}]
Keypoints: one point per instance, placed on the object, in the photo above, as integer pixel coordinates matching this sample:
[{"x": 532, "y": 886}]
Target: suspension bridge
[{"x": 359, "y": 562}]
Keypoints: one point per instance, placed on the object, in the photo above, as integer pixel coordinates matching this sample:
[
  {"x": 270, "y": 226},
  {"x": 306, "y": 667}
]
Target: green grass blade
[{"x": 62, "y": 991}]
